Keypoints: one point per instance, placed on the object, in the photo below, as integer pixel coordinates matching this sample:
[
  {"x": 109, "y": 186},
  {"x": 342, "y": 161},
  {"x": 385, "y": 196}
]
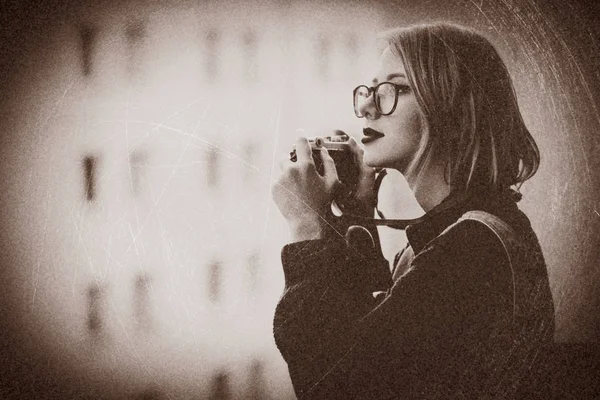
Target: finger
[
  {"x": 359, "y": 153},
  {"x": 357, "y": 150},
  {"x": 329, "y": 170},
  {"x": 303, "y": 151}
]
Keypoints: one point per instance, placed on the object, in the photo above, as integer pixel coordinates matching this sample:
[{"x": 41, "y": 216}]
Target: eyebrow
[{"x": 390, "y": 76}]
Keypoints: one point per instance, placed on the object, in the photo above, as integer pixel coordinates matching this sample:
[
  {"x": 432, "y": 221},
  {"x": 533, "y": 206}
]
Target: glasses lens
[
  {"x": 361, "y": 94},
  {"x": 386, "y": 97}
]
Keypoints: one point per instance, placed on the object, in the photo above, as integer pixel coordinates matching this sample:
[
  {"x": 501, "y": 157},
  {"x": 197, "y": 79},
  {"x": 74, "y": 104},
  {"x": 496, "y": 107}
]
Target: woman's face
[{"x": 397, "y": 135}]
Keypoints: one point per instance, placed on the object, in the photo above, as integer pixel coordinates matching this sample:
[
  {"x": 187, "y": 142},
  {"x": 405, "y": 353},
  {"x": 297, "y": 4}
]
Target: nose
[{"x": 368, "y": 108}]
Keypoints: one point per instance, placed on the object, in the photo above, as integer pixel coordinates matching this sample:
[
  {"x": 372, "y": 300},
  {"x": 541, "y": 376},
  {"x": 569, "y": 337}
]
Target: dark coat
[{"x": 465, "y": 320}]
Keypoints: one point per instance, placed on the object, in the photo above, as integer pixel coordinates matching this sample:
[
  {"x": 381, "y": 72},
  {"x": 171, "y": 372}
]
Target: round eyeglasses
[{"x": 385, "y": 97}]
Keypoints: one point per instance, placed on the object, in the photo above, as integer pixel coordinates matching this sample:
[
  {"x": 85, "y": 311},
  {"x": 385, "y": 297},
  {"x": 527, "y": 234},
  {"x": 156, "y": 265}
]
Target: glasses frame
[{"x": 373, "y": 90}]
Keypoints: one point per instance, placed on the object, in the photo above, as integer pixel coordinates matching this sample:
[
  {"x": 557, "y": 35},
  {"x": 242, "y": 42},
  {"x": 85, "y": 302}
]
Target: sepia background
[{"x": 138, "y": 142}]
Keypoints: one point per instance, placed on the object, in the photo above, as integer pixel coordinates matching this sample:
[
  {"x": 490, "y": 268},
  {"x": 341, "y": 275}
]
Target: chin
[{"x": 371, "y": 161}]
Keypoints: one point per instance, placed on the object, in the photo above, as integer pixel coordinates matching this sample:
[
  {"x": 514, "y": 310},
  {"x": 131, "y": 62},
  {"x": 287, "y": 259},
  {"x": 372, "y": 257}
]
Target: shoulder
[
  {"x": 466, "y": 236},
  {"x": 465, "y": 266},
  {"x": 469, "y": 248}
]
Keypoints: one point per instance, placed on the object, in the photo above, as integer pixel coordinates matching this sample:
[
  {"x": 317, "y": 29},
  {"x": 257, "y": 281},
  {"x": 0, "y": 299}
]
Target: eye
[
  {"x": 403, "y": 88},
  {"x": 386, "y": 90}
]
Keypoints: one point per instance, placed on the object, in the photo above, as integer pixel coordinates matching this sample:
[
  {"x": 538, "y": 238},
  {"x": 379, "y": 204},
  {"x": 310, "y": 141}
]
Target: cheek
[
  {"x": 415, "y": 127},
  {"x": 408, "y": 129}
]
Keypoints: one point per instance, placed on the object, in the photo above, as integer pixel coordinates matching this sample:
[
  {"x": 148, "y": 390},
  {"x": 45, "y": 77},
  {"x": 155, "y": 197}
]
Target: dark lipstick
[{"x": 370, "y": 135}]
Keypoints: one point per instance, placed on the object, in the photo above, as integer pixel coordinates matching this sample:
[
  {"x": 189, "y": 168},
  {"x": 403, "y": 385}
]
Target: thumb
[
  {"x": 360, "y": 240},
  {"x": 356, "y": 150}
]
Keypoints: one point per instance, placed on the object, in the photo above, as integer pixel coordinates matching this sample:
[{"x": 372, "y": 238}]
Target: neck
[{"x": 430, "y": 188}]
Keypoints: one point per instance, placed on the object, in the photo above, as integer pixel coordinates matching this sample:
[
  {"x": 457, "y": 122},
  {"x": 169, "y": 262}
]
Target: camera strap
[
  {"x": 345, "y": 195},
  {"x": 353, "y": 219}
]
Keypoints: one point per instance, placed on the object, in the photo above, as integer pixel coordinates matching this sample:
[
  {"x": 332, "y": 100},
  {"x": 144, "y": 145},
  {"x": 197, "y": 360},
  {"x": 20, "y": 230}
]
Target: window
[
  {"x": 90, "y": 163},
  {"x": 135, "y": 32},
  {"x": 138, "y": 162},
  {"x": 214, "y": 283},
  {"x": 250, "y": 56},
  {"x": 352, "y": 54},
  {"x": 322, "y": 56},
  {"x": 213, "y": 168},
  {"x": 253, "y": 267},
  {"x": 141, "y": 302},
  {"x": 152, "y": 393},
  {"x": 220, "y": 387},
  {"x": 95, "y": 303},
  {"x": 257, "y": 385},
  {"x": 87, "y": 36},
  {"x": 250, "y": 154},
  {"x": 211, "y": 56}
]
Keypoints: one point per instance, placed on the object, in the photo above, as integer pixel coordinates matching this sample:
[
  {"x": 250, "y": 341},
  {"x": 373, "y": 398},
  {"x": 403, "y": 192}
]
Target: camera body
[{"x": 338, "y": 148}]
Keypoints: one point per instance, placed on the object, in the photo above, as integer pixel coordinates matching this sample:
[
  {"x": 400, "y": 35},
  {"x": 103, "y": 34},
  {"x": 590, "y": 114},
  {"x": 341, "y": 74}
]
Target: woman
[{"x": 466, "y": 306}]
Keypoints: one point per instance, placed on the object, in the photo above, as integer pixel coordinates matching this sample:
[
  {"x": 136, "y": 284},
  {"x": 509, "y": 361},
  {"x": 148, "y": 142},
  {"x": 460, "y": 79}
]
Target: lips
[{"x": 371, "y": 135}]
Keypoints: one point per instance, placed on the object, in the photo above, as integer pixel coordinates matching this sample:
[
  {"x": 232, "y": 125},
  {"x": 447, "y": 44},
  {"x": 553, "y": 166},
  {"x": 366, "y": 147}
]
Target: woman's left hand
[
  {"x": 364, "y": 193},
  {"x": 303, "y": 196}
]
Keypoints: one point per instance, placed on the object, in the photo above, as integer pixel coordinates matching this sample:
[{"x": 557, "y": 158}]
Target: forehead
[{"x": 389, "y": 64}]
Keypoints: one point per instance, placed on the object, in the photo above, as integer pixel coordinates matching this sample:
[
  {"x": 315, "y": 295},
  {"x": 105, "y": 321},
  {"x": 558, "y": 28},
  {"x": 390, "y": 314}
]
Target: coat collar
[{"x": 451, "y": 209}]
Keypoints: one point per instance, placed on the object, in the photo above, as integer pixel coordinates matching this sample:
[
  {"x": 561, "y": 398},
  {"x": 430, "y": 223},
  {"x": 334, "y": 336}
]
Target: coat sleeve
[{"x": 339, "y": 342}]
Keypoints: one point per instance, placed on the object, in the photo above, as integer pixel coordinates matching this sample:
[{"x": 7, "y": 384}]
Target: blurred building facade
[{"x": 152, "y": 134}]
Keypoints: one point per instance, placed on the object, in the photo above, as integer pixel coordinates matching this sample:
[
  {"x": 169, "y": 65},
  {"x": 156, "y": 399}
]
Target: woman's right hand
[{"x": 303, "y": 196}]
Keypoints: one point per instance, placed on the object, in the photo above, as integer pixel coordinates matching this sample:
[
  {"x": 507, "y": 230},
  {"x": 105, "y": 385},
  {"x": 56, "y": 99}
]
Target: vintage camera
[{"x": 338, "y": 148}]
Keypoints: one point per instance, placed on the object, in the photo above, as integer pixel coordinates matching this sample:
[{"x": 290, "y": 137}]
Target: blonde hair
[{"x": 468, "y": 100}]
